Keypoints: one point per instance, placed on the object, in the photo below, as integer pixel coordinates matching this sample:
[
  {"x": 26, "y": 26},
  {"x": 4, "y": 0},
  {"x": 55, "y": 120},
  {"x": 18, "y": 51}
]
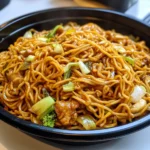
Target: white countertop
[{"x": 13, "y": 139}]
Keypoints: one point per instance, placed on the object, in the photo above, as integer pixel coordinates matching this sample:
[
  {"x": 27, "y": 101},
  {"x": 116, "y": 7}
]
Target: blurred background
[{"x": 10, "y": 9}]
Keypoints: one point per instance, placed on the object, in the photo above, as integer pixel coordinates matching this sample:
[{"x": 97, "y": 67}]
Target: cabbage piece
[
  {"x": 43, "y": 39},
  {"x": 138, "y": 93},
  {"x": 83, "y": 68},
  {"x": 67, "y": 74},
  {"x": 58, "y": 48},
  {"x": 119, "y": 49},
  {"x": 30, "y": 58},
  {"x": 69, "y": 87},
  {"x": 87, "y": 122},
  {"x": 28, "y": 34},
  {"x": 43, "y": 107},
  {"x": 69, "y": 65}
]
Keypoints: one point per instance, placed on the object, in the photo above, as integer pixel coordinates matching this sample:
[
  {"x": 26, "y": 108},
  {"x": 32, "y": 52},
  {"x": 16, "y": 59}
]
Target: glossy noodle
[{"x": 91, "y": 77}]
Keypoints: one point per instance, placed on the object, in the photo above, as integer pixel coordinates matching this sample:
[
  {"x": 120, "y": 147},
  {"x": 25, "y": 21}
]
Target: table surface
[{"x": 13, "y": 139}]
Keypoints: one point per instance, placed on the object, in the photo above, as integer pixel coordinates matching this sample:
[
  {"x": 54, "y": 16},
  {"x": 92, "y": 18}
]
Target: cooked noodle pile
[{"x": 114, "y": 90}]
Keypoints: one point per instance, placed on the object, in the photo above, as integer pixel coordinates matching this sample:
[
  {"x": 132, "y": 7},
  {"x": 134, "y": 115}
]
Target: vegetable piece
[
  {"x": 25, "y": 66},
  {"x": 87, "y": 122},
  {"x": 112, "y": 74},
  {"x": 58, "y": 48},
  {"x": 49, "y": 119},
  {"x": 43, "y": 107},
  {"x": 28, "y": 34},
  {"x": 53, "y": 31},
  {"x": 70, "y": 31},
  {"x": 45, "y": 92},
  {"x": 130, "y": 60},
  {"x": 67, "y": 74},
  {"x": 89, "y": 65},
  {"x": 84, "y": 68},
  {"x": 126, "y": 67},
  {"x": 138, "y": 106},
  {"x": 43, "y": 39},
  {"x": 69, "y": 65},
  {"x": 27, "y": 62},
  {"x": 120, "y": 49},
  {"x": 138, "y": 93},
  {"x": 68, "y": 87},
  {"x": 30, "y": 58}
]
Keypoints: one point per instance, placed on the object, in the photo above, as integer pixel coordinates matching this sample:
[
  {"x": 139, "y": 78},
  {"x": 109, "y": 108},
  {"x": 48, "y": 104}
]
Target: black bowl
[
  {"x": 47, "y": 19},
  {"x": 4, "y": 3}
]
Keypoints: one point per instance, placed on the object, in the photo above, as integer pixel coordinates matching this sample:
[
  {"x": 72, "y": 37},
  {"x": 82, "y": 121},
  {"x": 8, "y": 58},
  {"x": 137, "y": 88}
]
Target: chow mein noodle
[{"x": 76, "y": 77}]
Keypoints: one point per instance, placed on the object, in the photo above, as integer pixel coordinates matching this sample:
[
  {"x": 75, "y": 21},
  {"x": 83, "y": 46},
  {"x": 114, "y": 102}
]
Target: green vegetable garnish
[
  {"x": 49, "y": 119},
  {"x": 53, "y": 32},
  {"x": 67, "y": 74},
  {"x": 43, "y": 39},
  {"x": 69, "y": 65},
  {"x": 130, "y": 60},
  {"x": 43, "y": 107},
  {"x": 68, "y": 87},
  {"x": 30, "y": 58}
]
